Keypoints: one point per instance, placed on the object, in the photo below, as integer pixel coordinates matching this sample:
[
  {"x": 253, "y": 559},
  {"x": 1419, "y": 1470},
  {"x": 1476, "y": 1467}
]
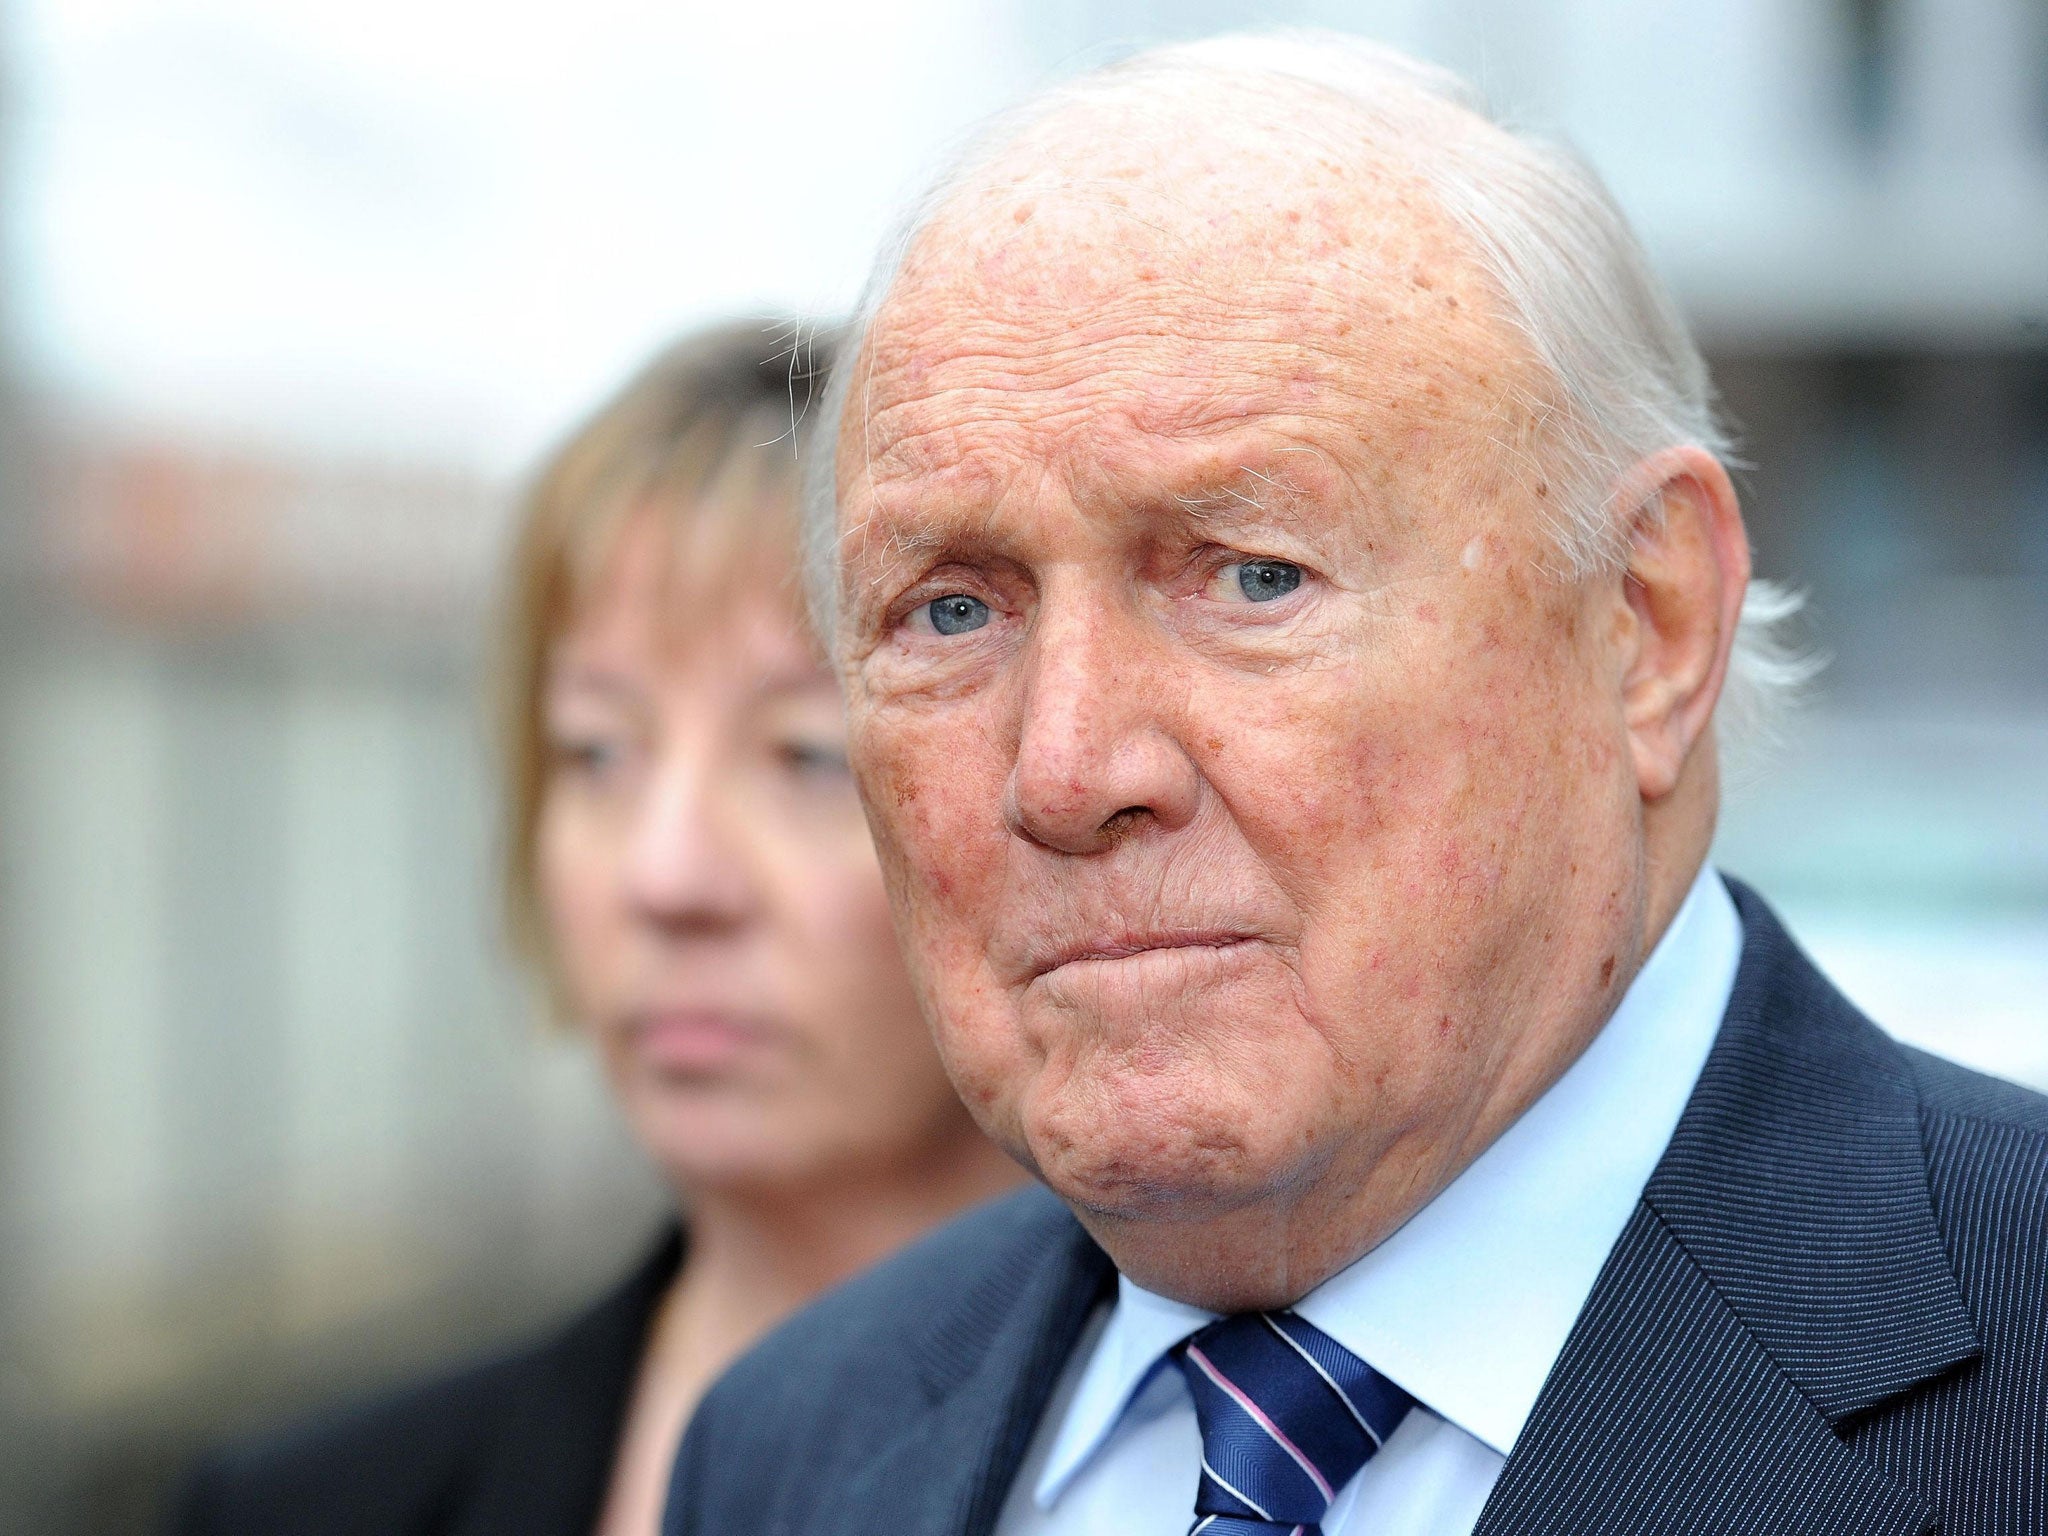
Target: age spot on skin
[{"x": 1607, "y": 971}]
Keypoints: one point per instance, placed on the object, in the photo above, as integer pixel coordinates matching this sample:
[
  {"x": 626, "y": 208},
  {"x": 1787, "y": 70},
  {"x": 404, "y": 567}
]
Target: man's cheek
[
  {"x": 988, "y": 1063},
  {"x": 898, "y": 797},
  {"x": 1331, "y": 799},
  {"x": 940, "y": 804}
]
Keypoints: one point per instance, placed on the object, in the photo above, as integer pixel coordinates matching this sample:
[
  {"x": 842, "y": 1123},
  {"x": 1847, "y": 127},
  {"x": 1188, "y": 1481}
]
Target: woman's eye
[
  {"x": 814, "y": 757},
  {"x": 1261, "y": 581},
  {"x": 586, "y": 757},
  {"x": 956, "y": 613}
]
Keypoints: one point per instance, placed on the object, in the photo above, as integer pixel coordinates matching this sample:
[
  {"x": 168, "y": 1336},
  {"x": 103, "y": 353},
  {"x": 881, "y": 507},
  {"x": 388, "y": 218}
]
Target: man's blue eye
[
  {"x": 1264, "y": 580},
  {"x": 957, "y": 613}
]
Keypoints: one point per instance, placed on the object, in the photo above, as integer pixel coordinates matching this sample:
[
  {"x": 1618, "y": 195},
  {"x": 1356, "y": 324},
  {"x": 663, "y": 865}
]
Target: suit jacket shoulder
[
  {"x": 1978, "y": 1435},
  {"x": 1987, "y": 1165},
  {"x": 1828, "y": 1312},
  {"x": 901, "y": 1401},
  {"x": 519, "y": 1442},
  {"x": 1949, "y": 1090}
]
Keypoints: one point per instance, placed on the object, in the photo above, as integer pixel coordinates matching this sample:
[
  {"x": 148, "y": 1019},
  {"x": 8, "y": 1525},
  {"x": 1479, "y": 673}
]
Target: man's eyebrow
[
  {"x": 1220, "y": 500},
  {"x": 1245, "y": 496},
  {"x": 906, "y": 533},
  {"x": 1248, "y": 495}
]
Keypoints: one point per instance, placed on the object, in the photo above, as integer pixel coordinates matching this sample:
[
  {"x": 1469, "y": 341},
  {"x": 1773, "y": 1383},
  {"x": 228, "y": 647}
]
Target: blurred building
[
  {"x": 280, "y": 1119},
  {"x": 276, "y": 1117}
]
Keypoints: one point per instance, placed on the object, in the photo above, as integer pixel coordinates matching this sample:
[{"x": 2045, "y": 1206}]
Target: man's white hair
[{"x": 1575, "y": 281}]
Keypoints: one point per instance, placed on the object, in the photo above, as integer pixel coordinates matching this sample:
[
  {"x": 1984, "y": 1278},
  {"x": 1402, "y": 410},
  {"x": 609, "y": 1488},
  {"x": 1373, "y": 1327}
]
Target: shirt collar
[{"x": 1467, "y": 1306}]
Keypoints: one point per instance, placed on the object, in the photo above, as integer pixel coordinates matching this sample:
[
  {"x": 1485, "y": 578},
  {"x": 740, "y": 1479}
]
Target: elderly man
[{"x": 1284, "y": 578}]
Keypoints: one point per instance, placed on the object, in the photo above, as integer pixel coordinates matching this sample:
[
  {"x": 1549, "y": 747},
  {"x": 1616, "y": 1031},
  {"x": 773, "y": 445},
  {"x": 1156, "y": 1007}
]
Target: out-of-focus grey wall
[{"x": 288, "y": 296}]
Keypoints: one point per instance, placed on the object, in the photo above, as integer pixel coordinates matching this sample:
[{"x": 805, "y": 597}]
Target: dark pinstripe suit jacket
[{"x": 1828, "y": 1314}]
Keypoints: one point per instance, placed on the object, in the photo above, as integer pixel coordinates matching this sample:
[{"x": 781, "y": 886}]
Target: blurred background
[{"x": 291, "y": 293}]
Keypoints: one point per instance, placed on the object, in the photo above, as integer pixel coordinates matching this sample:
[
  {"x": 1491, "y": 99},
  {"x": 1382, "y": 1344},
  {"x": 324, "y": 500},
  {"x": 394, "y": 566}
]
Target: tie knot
[{"x": 1288, "y": 1416}]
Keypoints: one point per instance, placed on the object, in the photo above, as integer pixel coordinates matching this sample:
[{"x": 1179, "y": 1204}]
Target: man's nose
[
  {"x": 1096, "y": 758},
  {"x": 683, "y": 866}
]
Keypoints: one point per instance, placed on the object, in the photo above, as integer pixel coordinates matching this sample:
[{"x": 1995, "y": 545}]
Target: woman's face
[{"x": 714, "y": 901}]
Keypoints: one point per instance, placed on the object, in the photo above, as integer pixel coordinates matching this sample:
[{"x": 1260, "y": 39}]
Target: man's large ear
[{"x": 1688, "y": 566}]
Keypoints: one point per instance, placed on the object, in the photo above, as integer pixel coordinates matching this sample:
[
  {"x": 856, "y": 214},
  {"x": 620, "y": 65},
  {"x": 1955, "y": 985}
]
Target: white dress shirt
[{"x": 1466, "y": 1307}]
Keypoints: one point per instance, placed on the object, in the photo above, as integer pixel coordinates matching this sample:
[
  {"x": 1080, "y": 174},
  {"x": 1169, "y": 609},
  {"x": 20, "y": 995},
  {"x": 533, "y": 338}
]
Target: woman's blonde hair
[{"x": 704, "y": 437}]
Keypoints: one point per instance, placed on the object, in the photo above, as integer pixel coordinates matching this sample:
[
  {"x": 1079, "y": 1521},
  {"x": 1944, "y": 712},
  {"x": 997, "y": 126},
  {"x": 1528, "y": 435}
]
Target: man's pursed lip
[{"x": 1127, "y": 946}]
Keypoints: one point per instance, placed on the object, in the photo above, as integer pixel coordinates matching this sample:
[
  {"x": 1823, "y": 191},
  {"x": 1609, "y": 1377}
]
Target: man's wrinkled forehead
[{"x": 1138, "y": 258}]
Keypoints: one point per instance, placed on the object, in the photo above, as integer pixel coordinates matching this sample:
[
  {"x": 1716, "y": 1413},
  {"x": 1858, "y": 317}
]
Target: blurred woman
[{"x": 690, "y": 872}]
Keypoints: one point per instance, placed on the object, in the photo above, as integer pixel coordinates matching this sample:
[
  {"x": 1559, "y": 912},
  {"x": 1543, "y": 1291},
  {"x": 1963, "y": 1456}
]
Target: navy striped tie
[{"x": 1288, "y": 1416}]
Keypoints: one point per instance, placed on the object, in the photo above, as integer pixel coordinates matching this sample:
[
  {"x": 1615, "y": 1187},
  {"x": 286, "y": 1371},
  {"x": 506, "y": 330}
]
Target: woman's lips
[{"x": 696, "y": 1040}]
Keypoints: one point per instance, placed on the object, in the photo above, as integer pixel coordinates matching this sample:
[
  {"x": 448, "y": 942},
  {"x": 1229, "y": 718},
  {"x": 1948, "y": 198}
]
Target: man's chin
[
  {"x": 1222, "y": 1250},
  {"x": 1170, "y": 1175},
  {"x": 1159, "y": 1198},
  {"x": 1187, "y": 1203},
  {"x": 1156, "y": 1142}
]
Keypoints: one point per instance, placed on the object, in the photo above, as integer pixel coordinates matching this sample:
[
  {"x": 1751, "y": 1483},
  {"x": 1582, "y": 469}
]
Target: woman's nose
[{"x": 684, "y": 866}]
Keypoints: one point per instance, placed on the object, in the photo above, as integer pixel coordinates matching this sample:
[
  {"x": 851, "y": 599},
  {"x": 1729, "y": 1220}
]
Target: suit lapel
[
  {"x": 1664, "y": 1414},
  {"x": 988, "y": 1362},
  {"x": 1782, "y": 1274}
]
